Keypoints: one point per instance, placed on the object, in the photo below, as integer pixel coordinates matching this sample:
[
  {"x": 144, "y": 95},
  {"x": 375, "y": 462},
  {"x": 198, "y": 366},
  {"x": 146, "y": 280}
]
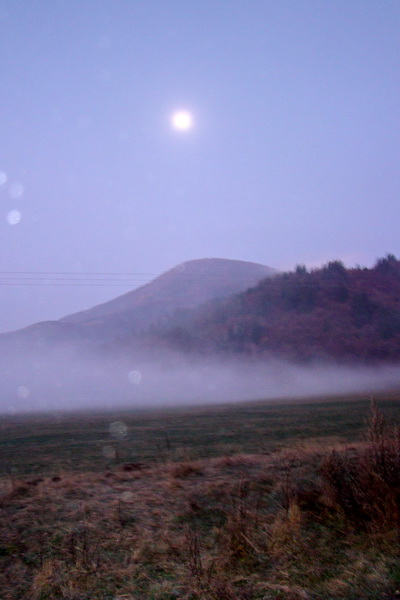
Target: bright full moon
[{"x": 182, "y": 120}]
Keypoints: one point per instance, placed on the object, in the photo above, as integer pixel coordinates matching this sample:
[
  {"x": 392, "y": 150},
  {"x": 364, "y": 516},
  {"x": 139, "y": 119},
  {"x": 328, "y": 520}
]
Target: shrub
[{"x": 365, "y": 485}]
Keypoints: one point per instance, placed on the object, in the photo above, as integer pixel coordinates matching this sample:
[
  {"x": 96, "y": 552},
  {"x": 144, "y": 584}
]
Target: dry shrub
[
  {"x": 205, "y": 578},
  {"x": 47, "y": 583},
  {"x": 84, "y": 548},
  {"x": 236, "y": 460},
  {"x": 286, "y": 592},
  {"x": 238, "y": 534},
  {"x": 285, "y": 531},
  {"x": 364, "y": 484},
  {"x": 184, "y": 469}
]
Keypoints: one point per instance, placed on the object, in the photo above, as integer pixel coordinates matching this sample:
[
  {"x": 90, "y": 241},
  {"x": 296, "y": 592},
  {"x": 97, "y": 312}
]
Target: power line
[
  {"x": 47, "y": 284},
  {"x": 69, "y": 279},
  {"x": 95, "y": 278},
  {"x": 81, "y": 279},
  {"x": 77, "y": 273}
]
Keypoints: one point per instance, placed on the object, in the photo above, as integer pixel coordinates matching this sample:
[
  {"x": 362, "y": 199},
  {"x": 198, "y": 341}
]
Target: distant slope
[
  {"x": 38, "y": 334},
  {"x": 333, "y": 312},
  {"x": 185, "y": 286}
]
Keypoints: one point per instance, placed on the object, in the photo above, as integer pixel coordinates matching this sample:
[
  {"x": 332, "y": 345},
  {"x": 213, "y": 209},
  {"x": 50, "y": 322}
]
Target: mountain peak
[{"x": 184, "y": 286}]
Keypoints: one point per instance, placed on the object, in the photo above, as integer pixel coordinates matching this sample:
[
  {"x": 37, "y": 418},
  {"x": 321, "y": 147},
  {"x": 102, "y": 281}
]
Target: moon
[{"x": 182, "y": 120}]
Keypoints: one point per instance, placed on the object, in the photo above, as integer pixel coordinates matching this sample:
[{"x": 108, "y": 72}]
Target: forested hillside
[{"x": 331, "y": 312}]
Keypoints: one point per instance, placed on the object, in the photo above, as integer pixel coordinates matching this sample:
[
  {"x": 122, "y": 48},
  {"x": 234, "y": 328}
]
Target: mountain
[
  {"x": 72, "y": 363},
  {"x": 349, "y": 315},
  {"x": 218, "y": 306},
  {"x": 199, "y": 333},
  {"x": 184, "y": 287}
]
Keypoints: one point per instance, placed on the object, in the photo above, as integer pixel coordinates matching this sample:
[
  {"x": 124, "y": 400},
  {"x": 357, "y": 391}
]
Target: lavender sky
[{"x": 293, "y": 156}]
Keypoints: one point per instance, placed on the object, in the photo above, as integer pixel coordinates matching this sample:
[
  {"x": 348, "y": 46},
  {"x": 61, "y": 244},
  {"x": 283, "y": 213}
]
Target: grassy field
[{"x": 233, "y": 502}]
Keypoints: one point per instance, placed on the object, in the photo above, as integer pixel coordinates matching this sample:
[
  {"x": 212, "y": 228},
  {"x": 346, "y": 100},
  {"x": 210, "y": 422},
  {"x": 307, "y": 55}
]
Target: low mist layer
[{"x": 67, "y": 379}]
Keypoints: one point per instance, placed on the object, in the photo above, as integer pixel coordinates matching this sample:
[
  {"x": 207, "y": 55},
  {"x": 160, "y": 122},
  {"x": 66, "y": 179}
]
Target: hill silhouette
[
  {"x": 203, "y": 306},
  {"x": 184, "y": 287},
  {"x": 328, "y": 330}
]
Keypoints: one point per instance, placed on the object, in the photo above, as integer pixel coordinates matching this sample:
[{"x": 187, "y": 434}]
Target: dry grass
[
  {"x": 274, "y": 525},
  {"x": 364, "y": 483}
]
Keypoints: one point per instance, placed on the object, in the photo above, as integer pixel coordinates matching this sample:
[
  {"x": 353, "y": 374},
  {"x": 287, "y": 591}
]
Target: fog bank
[{"x": 67, "y": 379}]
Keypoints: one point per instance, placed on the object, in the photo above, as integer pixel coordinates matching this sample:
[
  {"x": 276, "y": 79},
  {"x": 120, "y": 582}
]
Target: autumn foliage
[{"x": 332, "y": 312}]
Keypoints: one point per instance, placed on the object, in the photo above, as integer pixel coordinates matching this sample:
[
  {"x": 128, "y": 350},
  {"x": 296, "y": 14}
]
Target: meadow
[{"x": 246, "y": 501}]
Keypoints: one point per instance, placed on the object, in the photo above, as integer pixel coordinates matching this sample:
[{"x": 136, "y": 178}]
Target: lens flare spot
[
  {"x": 13, "y": 217},
  {"x": 3, "y": 178},
  {"x": 22, "y": 392},
  {"x": 135, "y": 377},
  {"x": 109, "y": 452},
  {"x": 118, "y": 429}
]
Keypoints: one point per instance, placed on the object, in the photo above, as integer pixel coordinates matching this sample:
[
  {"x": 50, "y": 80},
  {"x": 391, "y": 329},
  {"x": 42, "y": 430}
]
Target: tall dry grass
[
  {"x": 243, "y": 527},
  {"x": 364, "y": 484}
]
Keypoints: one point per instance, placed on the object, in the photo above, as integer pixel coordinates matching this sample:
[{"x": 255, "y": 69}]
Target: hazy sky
[{"x": 293, "y": 156}]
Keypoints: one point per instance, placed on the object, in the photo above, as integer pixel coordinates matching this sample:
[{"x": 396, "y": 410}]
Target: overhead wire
[
  {"x": 80, "y": 279},
  {"x": 111, "y": 279},
  {"x": 86, "y": 278}
]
